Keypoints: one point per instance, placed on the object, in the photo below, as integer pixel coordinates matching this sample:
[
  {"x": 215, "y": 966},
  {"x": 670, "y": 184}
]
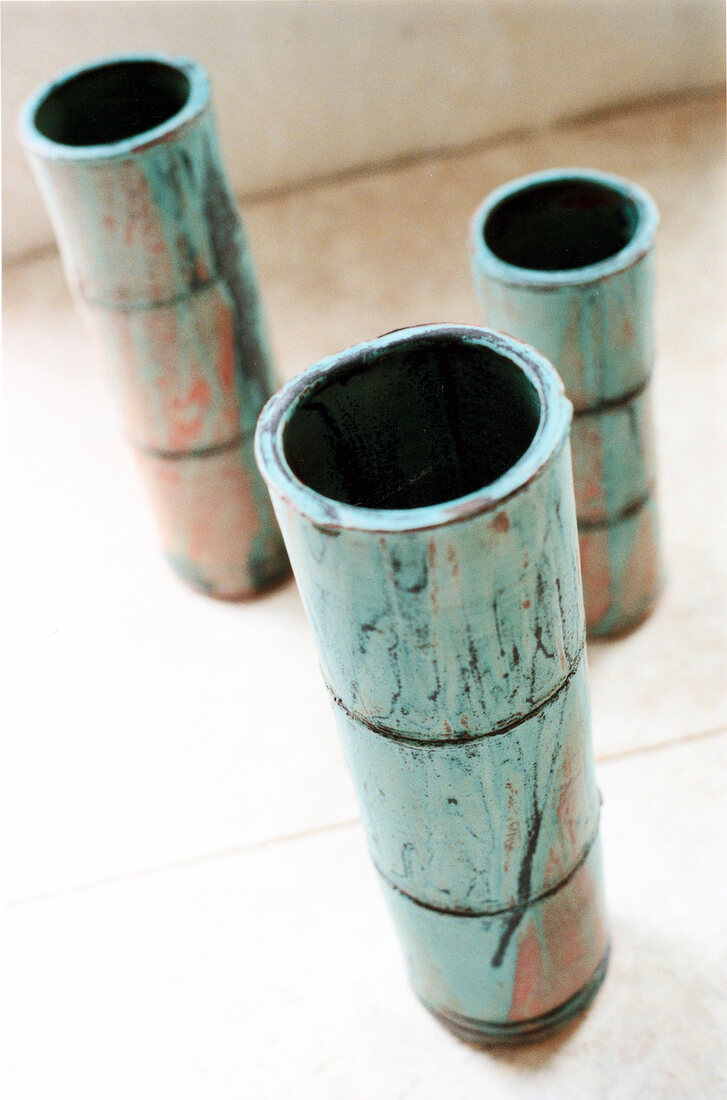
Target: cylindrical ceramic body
[
  {"x": 423, "y": 486},
  {"x": 564, "y": 260},
  {"x": 125, "y": 153}
]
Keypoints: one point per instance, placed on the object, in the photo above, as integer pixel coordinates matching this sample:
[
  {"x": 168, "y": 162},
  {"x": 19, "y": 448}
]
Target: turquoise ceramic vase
[
  {"x": 423, "y": 486},
  {"x": 565, "y": 261},
  {"x": 125, "y": 153}
]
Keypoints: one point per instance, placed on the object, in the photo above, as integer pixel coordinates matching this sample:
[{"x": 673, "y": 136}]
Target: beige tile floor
[{"x": 192, "y": 912}]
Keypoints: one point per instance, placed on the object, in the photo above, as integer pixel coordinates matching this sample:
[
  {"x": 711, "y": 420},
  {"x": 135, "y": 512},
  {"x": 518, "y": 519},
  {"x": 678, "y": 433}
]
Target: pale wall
[{"x": 305, "y": 89}]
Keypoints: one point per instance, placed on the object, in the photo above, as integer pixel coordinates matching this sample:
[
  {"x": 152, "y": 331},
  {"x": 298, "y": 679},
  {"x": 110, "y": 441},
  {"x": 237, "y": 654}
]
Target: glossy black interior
[
  {"x": 418, "y": 424},
  {"x": 561, "y": 225},
  {"x": 112, "y": 102}
]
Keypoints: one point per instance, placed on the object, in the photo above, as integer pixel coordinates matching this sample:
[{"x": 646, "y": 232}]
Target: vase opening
[
  {"x": 112, "y": 102},
  {"x": 412, "y": 425},
  {"x": 561, "y": 225}
]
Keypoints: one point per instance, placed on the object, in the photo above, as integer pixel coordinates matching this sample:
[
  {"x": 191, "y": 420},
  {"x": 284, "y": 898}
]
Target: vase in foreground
[{"x": 423, "y": 485}]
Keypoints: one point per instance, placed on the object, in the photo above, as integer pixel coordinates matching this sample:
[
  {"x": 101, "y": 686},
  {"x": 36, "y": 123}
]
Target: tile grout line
[
  {"x": 686, "y": 739},
  {"x": 182, "y": 864},
  {"x": 243, "y": 849}
]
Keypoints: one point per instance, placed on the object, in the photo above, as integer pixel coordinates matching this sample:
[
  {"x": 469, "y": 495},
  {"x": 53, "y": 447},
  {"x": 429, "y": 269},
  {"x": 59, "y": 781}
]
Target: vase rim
[
  {"x": 620, "y": 260},
  {"x": 327, "y": 512},
  {"x": 197, "y": 100}
]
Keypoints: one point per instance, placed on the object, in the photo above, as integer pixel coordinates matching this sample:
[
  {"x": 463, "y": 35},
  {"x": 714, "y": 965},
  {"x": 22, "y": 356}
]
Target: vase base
[
  {"x": 614, "y": 631},
  {"x": 483, "y": 1034},
  {"x": 274, "y": 581}
]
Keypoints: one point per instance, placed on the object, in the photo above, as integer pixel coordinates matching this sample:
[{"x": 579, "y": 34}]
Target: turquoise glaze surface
[
  {"x": 614, "y": 465},
  {"x": 473, "y": 862},
  {"x": 125, "y": 153},
  {"x": 465, "y": 968},
  {"x": 564, "y": 260},
  {"x": 447, "y": 610}
]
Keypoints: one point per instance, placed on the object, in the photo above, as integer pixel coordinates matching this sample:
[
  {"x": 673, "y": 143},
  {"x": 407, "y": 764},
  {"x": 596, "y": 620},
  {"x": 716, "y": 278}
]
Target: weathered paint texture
[
  {"x": 564, "y": 260},
  {"x": 157, "y": 258},
  {"x": 451, "y": 638}
]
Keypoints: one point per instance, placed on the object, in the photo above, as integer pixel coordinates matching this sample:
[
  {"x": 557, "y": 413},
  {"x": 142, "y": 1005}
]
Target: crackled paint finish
[
  {"x": 594, "y": 323},
  {"x": 512, "y": 969},
  {"x": 155, "y": 253},
  {"x": 489, "y": 795},
  {"x": 451, "y": 638},
  {"x": 516, "y": 570}
]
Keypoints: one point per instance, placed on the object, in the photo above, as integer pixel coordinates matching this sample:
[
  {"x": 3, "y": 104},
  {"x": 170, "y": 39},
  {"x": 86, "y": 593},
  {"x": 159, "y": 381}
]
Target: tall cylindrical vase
[
  {"x": 564, "y": 260},
  {"x": 423, "y": 486},
  {"x": 125, "y": 153}
]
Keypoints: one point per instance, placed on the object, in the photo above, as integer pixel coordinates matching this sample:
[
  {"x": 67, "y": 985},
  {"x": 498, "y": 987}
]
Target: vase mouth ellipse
[
  {"x": 563, "y": 227},
  {"x": 416, "y": 429},
  {"x": 113, "y": 107}
]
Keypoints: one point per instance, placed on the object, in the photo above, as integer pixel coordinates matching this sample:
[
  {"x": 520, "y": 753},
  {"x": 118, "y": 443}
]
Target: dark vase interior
[
  {"x": 112, "y": 102},
  {"x": 561, "y": 225},
  {"x": 428, "y": 421}
]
